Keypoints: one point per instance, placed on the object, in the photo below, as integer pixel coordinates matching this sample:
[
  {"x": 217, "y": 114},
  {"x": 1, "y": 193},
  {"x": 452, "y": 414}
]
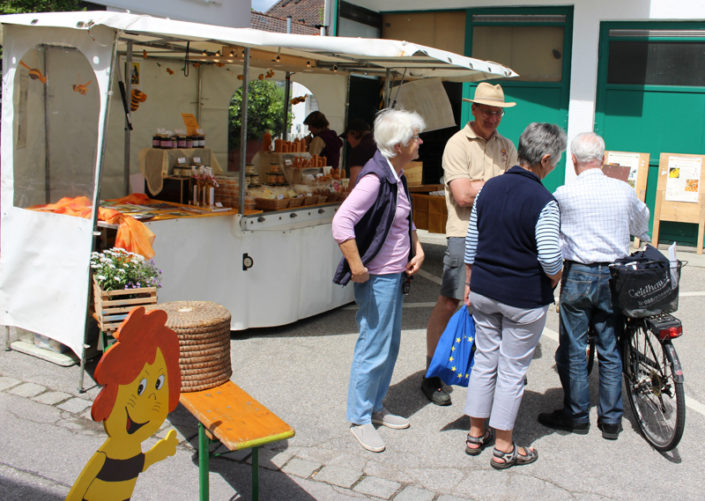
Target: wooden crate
[
  {"x": 111, "y": 307},
  {"x": 414, "y": 173},
  {"x": 419, "y": 206},
  {"x": 437, "y": 214}
]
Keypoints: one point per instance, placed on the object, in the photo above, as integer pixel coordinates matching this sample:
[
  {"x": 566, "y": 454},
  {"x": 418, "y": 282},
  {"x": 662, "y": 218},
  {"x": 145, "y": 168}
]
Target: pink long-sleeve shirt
[{"x": 394, "y": 254}]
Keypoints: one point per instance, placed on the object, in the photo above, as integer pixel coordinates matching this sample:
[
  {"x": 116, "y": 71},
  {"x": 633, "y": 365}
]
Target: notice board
[
  {"x": 638, "y": 171},
  {"x": 679, "y": 193}
]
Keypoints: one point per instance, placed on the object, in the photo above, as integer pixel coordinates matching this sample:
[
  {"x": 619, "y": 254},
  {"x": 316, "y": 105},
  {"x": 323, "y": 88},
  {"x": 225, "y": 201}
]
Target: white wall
[{"x": 588, "y": 14}]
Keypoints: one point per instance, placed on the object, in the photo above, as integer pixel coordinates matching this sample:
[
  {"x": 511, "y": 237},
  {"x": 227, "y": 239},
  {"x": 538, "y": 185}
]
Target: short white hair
[
  {"x": 588, "y": 147},
  {"x": 394, "y": 127}
]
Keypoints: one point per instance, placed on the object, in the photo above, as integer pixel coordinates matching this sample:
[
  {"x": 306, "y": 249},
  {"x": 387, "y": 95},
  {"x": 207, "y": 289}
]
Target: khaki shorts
[{"x": 453, "y": 281}]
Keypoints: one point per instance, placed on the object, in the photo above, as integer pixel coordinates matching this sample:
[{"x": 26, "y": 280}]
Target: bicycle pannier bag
[{"x": 644, "y": 284}]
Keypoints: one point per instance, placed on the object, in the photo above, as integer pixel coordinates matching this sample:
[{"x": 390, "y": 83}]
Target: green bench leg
[
  {"x": 204, "y": 466},
  {"x": 255, "y": 473},
  {"x": 203, "y": 462}
]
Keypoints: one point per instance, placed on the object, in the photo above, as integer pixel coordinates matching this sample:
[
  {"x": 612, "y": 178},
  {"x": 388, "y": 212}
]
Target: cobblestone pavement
[{"x": 300, "y": 372}]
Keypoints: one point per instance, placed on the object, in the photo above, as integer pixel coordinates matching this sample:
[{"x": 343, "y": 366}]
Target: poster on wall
[
  {"x": 683, "y": 182},
  {"x": 625, "y": 159}
]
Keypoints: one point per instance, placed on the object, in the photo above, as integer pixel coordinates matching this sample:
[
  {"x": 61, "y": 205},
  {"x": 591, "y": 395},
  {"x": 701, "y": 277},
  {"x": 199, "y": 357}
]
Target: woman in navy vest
[
  {"x": 513, "y": 263},
  {"x": 374, "y": 229}
]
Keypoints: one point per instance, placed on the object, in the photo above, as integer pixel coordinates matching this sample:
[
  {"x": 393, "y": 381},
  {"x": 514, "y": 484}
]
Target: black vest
[
  {"x": 506, "y": 266},
  {"x": 371, "y": 231}
]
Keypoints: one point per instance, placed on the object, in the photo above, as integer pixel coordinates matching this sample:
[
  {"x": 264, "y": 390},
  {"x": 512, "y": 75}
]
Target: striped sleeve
[
  {"x": 471, "y": 236},
  {"x": 548, "y": 239}
]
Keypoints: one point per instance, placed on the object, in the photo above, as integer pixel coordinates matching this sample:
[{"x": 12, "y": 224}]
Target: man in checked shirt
[{"x": 598, "y": 215}]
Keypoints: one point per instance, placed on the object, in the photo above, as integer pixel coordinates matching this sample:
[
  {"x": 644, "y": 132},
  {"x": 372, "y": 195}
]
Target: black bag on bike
[{"x": 644, "y": 284}]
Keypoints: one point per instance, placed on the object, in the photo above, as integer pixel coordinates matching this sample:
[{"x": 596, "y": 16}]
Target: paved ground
[{"x": 300, "y": 371}]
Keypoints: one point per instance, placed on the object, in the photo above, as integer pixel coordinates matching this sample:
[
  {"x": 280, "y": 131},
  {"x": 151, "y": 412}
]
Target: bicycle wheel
[{"x": 655, "y": 396}]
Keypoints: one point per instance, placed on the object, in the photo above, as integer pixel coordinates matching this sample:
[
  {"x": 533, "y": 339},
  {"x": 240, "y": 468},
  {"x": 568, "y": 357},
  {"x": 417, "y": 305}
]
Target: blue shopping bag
[{"x": 454, "y": 355}]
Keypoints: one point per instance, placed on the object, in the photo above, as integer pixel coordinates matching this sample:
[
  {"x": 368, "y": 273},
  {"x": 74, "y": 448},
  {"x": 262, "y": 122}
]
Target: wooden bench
[{"x": 231, "y": 416}]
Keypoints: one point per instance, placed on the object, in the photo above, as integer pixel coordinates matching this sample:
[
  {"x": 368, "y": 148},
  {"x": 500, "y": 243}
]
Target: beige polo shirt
[{"x": 469, "y": 156}]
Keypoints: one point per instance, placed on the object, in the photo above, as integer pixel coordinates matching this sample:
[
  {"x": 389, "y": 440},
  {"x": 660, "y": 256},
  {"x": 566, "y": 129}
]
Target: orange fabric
[{"x": 132, "y": 235}]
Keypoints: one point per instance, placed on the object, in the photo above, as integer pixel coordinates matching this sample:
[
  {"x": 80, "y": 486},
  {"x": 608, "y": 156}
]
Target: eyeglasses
[
  {"x": 416, "y": 137},
  {"x": 491, "y": 113}
]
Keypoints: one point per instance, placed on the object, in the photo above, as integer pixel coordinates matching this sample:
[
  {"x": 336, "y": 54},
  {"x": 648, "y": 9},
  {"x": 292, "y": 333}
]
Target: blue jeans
[
  {"x": 586, "y": 299},
  {"x": 379, "y": 321}
]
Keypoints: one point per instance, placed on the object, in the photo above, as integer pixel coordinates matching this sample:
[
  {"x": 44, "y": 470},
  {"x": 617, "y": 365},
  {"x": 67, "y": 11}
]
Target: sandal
[
  {"x": 513, "y": 458},
  {"x": 481, "y": 443}
]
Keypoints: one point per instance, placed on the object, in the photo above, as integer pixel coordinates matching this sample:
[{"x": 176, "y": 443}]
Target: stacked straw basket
[{"x": 203, "y": 328}]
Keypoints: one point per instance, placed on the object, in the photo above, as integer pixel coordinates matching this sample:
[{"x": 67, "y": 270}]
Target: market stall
[{"x": 65, "y": 133}]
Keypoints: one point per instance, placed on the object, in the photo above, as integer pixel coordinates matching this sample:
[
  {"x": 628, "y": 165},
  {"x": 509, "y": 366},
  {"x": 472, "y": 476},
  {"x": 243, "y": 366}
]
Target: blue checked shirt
[{"x": 598, "y": 215}]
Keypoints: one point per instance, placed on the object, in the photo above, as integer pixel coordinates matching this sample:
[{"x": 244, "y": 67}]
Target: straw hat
[{"x": 490, "y": 95}]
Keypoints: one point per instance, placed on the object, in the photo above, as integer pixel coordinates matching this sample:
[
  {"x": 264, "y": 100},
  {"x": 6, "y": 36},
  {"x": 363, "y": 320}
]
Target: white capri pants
[{"x": 505, "y": 341}]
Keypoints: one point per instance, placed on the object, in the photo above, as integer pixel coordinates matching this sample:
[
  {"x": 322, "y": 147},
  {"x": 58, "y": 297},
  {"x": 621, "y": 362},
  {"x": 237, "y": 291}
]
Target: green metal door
[
  {"x": 536, "y": 43},
  {"x": 651, "y": 98}
]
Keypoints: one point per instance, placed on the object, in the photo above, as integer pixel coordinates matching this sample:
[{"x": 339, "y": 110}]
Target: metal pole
[
  {"x": 387, "y": 87},
  {"x": 47, "y": 156},
  {"x": 243, "y": 127},
  {"x": 287, "y": 98},
  {"x": 128, "y": 96},
  {"x": 287, "y": 90}
]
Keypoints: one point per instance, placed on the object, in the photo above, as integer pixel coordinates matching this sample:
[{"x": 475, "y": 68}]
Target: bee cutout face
[{"x": 142, "y": 405}]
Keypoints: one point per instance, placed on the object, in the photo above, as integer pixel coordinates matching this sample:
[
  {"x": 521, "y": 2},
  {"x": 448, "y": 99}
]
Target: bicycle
[
  {"x": 652, "y": 371},
  {"x": 646, "y": 292}
]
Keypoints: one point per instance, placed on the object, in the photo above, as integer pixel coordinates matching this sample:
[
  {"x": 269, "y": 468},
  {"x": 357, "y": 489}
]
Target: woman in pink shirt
[{"x": 381, "y": 251}]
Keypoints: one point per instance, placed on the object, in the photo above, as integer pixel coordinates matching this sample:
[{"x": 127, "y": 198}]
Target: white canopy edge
[{"x": 359, "y": 55}]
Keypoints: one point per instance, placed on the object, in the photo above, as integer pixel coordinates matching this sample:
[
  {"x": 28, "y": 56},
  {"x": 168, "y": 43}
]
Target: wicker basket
[
  {"x": 203, "y": 328},
  {"x": 271, "y": 203}
]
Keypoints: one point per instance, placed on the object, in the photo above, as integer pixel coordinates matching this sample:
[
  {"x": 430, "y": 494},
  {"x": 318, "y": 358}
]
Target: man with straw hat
[{"x": 471, "y": 156}]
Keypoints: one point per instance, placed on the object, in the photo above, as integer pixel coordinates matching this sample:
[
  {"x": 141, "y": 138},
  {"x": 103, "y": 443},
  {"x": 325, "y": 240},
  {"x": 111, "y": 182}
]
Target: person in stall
[
  {"x": 362, "y": 146},
  {"x": 324, "y": 141}
]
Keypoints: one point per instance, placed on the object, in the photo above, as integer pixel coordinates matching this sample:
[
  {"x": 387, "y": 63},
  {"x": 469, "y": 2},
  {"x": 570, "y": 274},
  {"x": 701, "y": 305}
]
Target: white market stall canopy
[
  {"x": 56, "y": 130},
  {"x": 217, "y": 44}
]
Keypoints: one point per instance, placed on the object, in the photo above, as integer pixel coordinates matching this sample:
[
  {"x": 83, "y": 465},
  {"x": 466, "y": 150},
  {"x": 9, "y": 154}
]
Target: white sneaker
[
  {"x": 368, "y": 437},
  {"x": 386, "y": 418}
]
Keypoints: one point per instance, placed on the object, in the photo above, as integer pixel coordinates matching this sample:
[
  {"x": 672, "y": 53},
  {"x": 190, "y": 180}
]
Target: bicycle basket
[{"x": 644, "y": 287}]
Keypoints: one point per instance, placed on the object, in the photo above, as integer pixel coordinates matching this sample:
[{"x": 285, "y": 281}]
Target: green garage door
[
  {"x": 534, "y": 42},
  {"x": 651, "y": 98}
]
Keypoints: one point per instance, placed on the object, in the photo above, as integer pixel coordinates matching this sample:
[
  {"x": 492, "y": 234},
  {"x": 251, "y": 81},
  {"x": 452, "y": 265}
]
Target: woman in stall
[{"x": 324, "y": 141}]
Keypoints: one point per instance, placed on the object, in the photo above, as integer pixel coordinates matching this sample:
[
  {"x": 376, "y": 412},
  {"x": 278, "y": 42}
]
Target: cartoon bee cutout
[{"x": 141, "y": 382}]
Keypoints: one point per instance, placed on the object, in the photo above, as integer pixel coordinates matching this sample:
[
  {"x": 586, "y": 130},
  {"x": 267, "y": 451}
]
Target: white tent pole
[
  {"x": 243, "y": 126},
  {"x": 100, "y": 156}
]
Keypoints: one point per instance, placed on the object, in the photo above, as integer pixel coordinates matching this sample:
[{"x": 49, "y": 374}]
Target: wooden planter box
[{"x": 111, "y": 307}]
